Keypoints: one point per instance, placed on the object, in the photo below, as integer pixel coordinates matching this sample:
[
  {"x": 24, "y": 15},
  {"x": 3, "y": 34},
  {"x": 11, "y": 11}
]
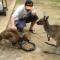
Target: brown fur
[
  {"x": 11, "y": 35},
  {"x": 52, "y": 30}
]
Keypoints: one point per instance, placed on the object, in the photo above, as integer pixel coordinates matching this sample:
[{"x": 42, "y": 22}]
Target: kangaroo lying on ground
[
  {"x": 11, "y": 35},
  {"x": 53, "y": 31}
]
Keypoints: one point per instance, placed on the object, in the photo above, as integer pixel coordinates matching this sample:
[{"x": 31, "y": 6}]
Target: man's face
[{"x": 28, "y": 8}]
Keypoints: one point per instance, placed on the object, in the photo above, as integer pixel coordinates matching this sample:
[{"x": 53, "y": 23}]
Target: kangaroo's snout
[{"x": 40, "y": 22}]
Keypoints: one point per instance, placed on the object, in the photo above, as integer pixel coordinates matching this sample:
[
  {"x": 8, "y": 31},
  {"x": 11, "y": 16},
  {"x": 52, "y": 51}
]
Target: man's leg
[
  {"x": 33, "y": 21},
  {"x": 31, "y": 26},
  {"x": 20, "y": 24}
]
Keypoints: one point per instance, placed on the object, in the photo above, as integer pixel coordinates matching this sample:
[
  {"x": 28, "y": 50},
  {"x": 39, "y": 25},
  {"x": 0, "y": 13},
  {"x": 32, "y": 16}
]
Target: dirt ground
[
  {"x": 4, "y": 19},
  {"x": 7, "y": 53}
]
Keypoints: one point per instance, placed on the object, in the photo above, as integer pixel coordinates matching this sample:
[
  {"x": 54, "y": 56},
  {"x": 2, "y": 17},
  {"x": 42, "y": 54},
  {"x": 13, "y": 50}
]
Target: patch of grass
[
  {"x": 52, "y": 3},
  {"x": 55, "y": 3},
  {"x": 18, "y": 1}
]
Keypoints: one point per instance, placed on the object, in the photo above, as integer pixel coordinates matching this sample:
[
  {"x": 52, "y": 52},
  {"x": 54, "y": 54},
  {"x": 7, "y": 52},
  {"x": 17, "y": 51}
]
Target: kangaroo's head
[{"x": 43, "y": 21}]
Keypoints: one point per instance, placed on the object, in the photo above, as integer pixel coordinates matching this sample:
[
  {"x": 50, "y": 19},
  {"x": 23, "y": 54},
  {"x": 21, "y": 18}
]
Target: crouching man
[{"x": 22, "y": 15}]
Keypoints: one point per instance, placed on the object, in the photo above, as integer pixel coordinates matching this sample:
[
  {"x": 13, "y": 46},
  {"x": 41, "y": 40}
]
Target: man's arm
[
  {"x": 15, "y": 16},
  {"x": 13, "y": 24}
]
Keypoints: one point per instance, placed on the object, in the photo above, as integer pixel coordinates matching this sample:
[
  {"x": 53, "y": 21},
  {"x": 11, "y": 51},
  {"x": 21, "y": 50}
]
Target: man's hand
[{"x": 13, "y": 27}]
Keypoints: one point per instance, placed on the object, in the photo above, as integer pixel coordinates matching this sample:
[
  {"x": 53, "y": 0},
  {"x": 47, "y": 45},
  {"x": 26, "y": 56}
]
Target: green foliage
[{"x": 18, "y": 1}]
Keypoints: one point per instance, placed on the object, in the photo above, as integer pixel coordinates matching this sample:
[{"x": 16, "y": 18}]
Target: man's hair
[{"x": 29, "y": 3}]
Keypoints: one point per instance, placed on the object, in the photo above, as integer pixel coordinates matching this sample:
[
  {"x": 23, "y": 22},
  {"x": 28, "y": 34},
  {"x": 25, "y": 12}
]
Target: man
[{"x": 24, "y": 14}]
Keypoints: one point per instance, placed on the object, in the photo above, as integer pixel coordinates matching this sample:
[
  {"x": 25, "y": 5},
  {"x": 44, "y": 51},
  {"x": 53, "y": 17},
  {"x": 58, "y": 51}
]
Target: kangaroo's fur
[
  {"x": 11, "y": 35},
  {"x": 52, "y": 30}
]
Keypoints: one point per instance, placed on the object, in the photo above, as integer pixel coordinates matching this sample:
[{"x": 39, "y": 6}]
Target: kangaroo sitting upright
[{"x": 52, "y": 30}]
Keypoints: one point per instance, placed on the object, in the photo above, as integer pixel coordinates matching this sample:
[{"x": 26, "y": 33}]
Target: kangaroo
[
  {"x": 53, "y": 31},
  {"x": 11, "y": 35}
]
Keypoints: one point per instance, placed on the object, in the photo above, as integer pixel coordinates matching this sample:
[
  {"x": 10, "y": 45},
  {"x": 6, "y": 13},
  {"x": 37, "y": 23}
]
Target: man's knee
[
  {"x": 20, "y": 25},
  {"x": 35, "y": 17}
]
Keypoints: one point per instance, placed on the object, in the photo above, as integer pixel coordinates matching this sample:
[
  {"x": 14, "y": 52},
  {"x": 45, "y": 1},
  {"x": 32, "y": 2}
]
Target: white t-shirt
[{"x": 20, "y": 12}]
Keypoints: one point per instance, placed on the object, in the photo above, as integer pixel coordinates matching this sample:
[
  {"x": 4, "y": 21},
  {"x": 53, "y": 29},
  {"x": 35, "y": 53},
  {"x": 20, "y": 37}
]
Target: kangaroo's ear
[{"x": 47, "y": 17}]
